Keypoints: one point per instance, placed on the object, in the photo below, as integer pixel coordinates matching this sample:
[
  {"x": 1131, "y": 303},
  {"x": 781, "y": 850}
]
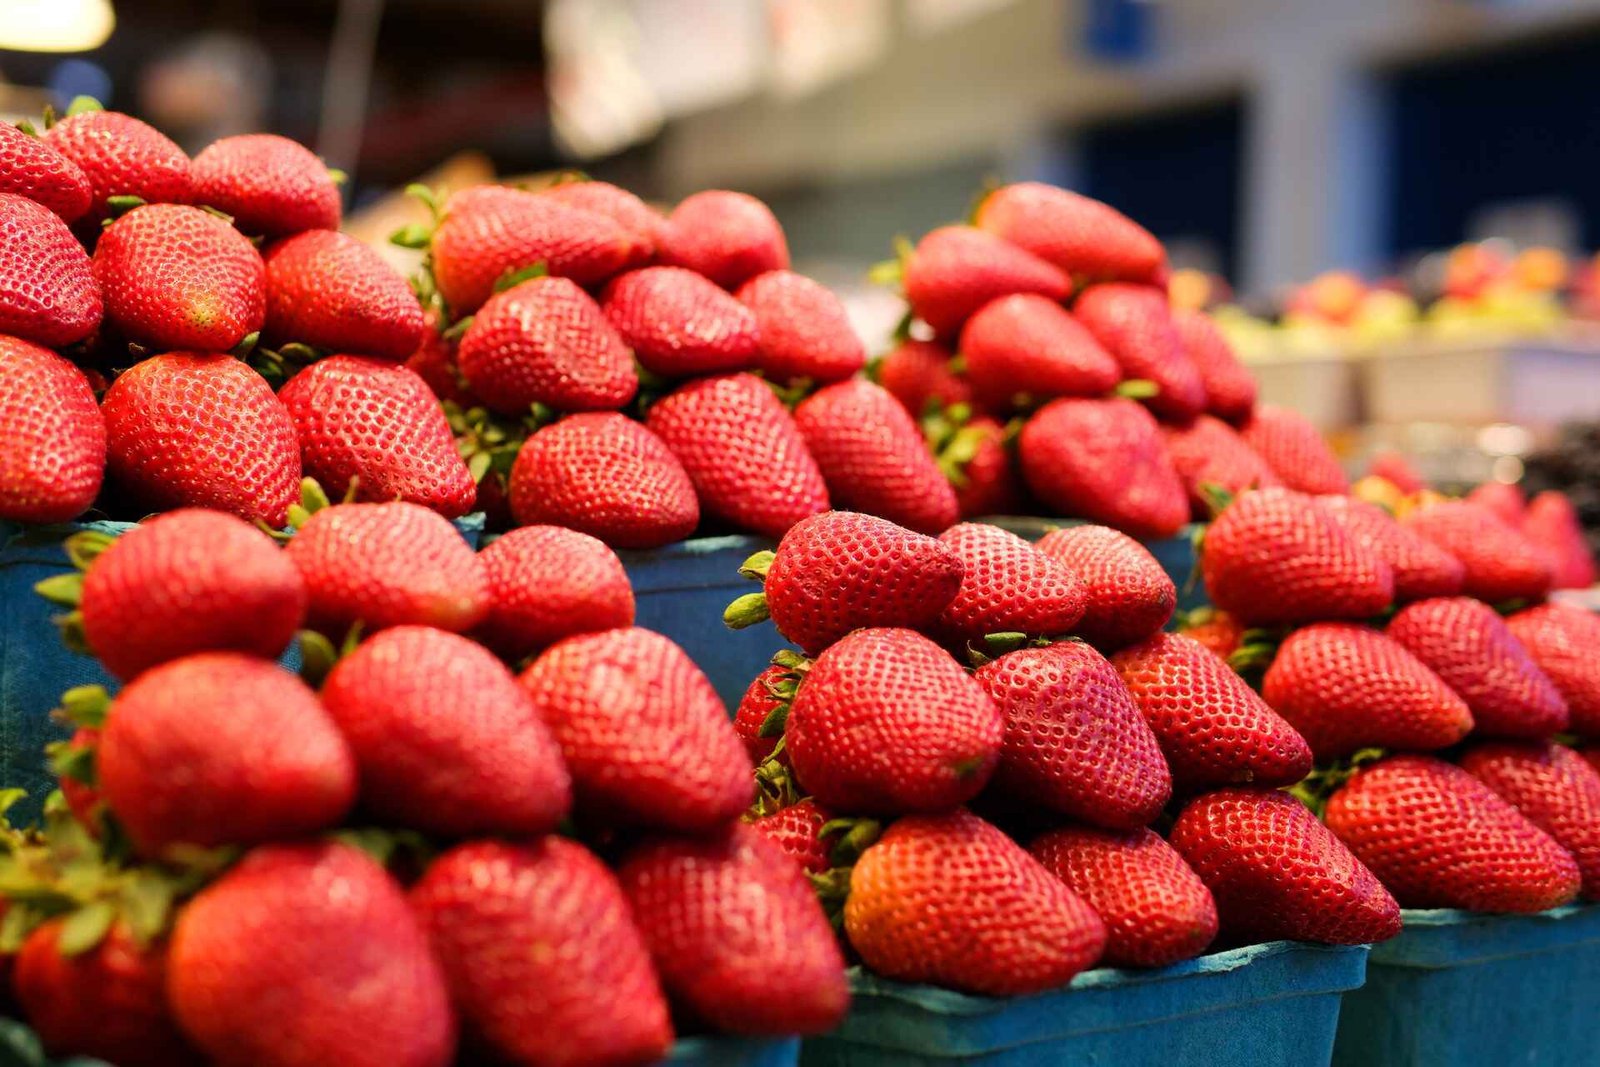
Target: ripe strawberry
[
  {"x": 547, "y": 583},
  {"x": 48, "y": 293},
  {"x": 1216, "y": 630},
  {"x": 805, "y": 332},
  {"x": 1470, "y": 648},
  {"x": 328, "y": 290},
  {"x": 917, "y": 372},
  {"x": 1230, "y": 388},
  {"x": 1398, "y": 471},
  {"x": 1278, "y": 874},
  {"x": 728, "y": 237},
  {"x": 979, "y": 465},
  {"x": 1552, "y": 525},
  {"x": 743, "y": 452},
  {"x": 1075, "y": 742},
  {"x": 761, "y": 698},
  {"x": 1554, "y": 788},
  {"x": 1295, "y": 450},
  {"x": 122, "y": 156},
  {"x": 83, "y": 797},
  {"x": 607, "y": 476},
  {"x": 1502, "y": 498},
  {"x": 955, "y": 270},
  {"x": 873, "y": 457},
  {"x": 1501, "y": 564},
  {"x": 1440, "y": 838},
  {"x": 493, "y": 910},
  {"x": 1081, "y": 235},
  {"x": 1346, "y": 687},
  {"x": 261, "y": 759},
  {"x": 1213, "y": 728},
  {"x": 679, "y": 324},
  {"x": 887, "y": 723},
  {"x": 1025, "y": 348},
  {"x": 1157, "y": 911},
  {"x": 31, "y": 167},
  {"x": 644, "y": 736},
  {"x": 52, "y": 436},
  {"x": 797, "y": 830},
  {"x": 949, "y": 899},
  {"x": 201, "y": 430},
  {"x": 620, "y": 206},
  {"x": 1134, "y": 323},
  {"x": 736, "y": 933},
  {"x": 272, "y": 186},
  {"x": 1105, "y": 461},
  {"x": 1007, "y": 586},
  {"x": 435, "y": 362},
  {"x": 1421, "y": 569},
  {"x": 545, "y": 341},
  {"x": 1208, "y": 453},
  {"x": 1562, "y": 640},
  {"x": 388, "y": 565},
  {"x": 266, "y": 961},
  {"x": 1127, "y": 597}
]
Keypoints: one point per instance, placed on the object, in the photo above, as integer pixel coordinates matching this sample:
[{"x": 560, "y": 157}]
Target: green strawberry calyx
[
  {"x": 750, "y": 609},
  {"x": 1315, "y": 790},
  {"x": 66, "y": 590}
]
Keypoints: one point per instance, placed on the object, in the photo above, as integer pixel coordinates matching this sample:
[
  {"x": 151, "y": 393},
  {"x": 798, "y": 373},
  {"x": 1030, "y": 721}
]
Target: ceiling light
[{"x": 55, "y": 25}]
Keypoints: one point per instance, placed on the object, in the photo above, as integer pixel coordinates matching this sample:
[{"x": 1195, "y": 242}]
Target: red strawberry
[
  {"x": 493, "y": 911},
  {"x": 728, "y": 237},
  {"x": 547, "y": 583},
  {"x": 1295, "y": 450},
  {"x": 1440, "y": 838},
  {"x": 48, "y": 292},
  {"x": 261, "y": 759},
  {"x": 1157, "y": 911},
  {"x": 1472, "y": 651},
  {"x": 52, "y": 436},
  {"x": 31, "y": 167},
  {"x": 979, "y": 465},
  {"x": 271, "y": 185},
  {"x": 1398, "y": 471},
  {"x": 1421, "y": 569},
  {"x": 1230, "y": 388},
  {"x": 1216, "y": 630},
  {"x": 736, "y": 933},
  {"x": 805, "y": 332},
  {"x": 1562, "y": 640},
  {"x": 1128, "y": 596},
  {"x": 1554, "y": 788},
  {"x": 1007, "y": 585},
  {"x": 886, "y": 723},
  {"x": 1105, "y": 461},
  {"x": 1347, "y": 687},
  {"x": 267, "y": 961},
  {"x": 873, "y": 457},
  {"x": 1213, "y": 728},
  {"x": 81, "y": 791},
  {"x": 1501, "y": 564},
  {"x": 1081, "y": 235},
  {"x": 1134, "y": 323},
  {"x": 192, "y": 430},
  {"x": 1026, "y": 346},
  {"x": 1075, "y": 742},
  {"x": 1208, "y": 453},
  {"x": 328, "y": 290},
  {"x": 761, "y": 698},
  {"x": 949, "y": 899},
  {"x": 1278, "y": 874},
  {"x": 617, "y": 204},
  {"x": 797, "y": 830},
  {"x": 1552, "y": 524},
  {"x": 679, "y": 324},
  {"x": 608, "y": 476},
  {"x": 743, "y": 452},
  {"x": 122, "y": 156},
  {"x": 955, "y": 270},
  {"x": 189, "y": 581},
  {"x": 388, "y": 565},
  {"x": 916, "y": 372},
  {"x": 435, "y": 361},
  {"x": 644, "y": 736},
  {"x": 1502, "y": 498},
  {"x": 545, "y": 341}
]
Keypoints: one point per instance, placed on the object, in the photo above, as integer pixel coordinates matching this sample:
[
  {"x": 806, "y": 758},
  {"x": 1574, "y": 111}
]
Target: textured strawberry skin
[
  {"x": 1127, "y": 596},
  {"x": 1552, "y": 524},
  {"x": 122, "y": 156},
  {"x": 48, "y": 293},
  {"x": 1007, "y": 586},
  {"x": 1502, "y": 498},
  {"x": 1562, "y": 640},
  {"x": 617, "y": 204},
  {"x": 1421, "y": 569},
  {"x": 1554, "y": 788},
  {"x": 805, "y": 332},
  {"x": 31, "y": 167},
  {"x": 547, "y": 583},
  {"x": 797, "y": 830},
  {"x": 1219, "y": 632},
  {"x": 988, "y": 483},
  {"x": 727, "y": 237},
  {"x": 917, "y": 372},
  {"x": 1028, "y": 344},
  {"x": 679, "y": 324},
  {"x": 328, "y": 290},
  {"x": 955, "y": 270},
  {"x": 269, "y": 184},
  {"x": 1134, "y": 323},
  {"x": 1294, "y": 449},
  {"x": 1230, "y": 389},
  {"x": 1501, "y": 564},
  {"x": 52, "y": 436},
  {"x": 435, "y": 362},
  {"x": 1078, "y": 234},
  {"x": 1208, "y": 452}
]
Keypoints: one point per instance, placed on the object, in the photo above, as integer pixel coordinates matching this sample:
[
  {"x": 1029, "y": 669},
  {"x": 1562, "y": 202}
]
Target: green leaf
[
  {"x": 246, "y": 345},
  {"x": 1137, "y": 389},
  {"x": 64, "y": 590},
  {"x": 317, "y": 657},
  {"x": 117, "y": 206},
  {"x": 429, "y": 198},
  {"x": 416, "y": 235},
  {"x": 337, "y": 176},
  {"x": 748, "y": 610},
  {"x": 478, "y": 466},
  {"x": 87, "y": 546},
  {"x": 312, "y": 496},
  {"x": 19, "y": 1044},
  {"x": 82, "y": 104},
  {"x": 72, "y": 762},
  {"x": 774, "y": 723},
  {"x": 757, "y": 565},
  {"x": 28, "y": 128},
  {"x": 517, "y": 275},
  {"x": 888, "y": 272},
  {"x": 85, "y": 928},
  {"x": 146, "y": 901}
]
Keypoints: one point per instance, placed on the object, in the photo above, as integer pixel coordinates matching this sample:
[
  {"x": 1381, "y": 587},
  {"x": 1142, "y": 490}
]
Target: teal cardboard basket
[
  {"x": 734, "y": 1052},
  {"x": 1276, "y": 1003},
  {"x": 1462, "y": 989}
]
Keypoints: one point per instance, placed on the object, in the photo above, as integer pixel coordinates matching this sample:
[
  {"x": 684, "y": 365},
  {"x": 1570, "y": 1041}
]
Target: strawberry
[
  {"x": 1025, "y": 348},
  {"x": 948, "y": 899},
  {"x": 1421, "y": 569},
  {"x": 52, "y": 436},
  {"x": 607, "y": 476},
  {"x": 1081, "y": 235},
  {"x": 272, "y": 186},
  {"x": 328, "y": 290},
  {"x": 1213, "y": 728},
  {"x": 955, "y": 270},
  {"x": 873, "y": 457},
  {"x": 1295, "y": 450},
  {"x": 1347, "y": 687},
  {"x": 1230, "y": 388},
  {"x": 725, "y": 236},
  {"x": 1274, "y": 556},
  {"x": 679, "y": 324},
  {"x": 1501, "y": 563},
  {"x": 644, "y": 736},
  {"x": 1276, "y": 873},
  {"x": 1157, "y": 911},
  {"x": 1209, "y": 454},
  {"x": 1562, "y": 640},
  {"x": 1502, "y": 498},
  {"x": 261, "y": 759},
  {"x": 977, "y": 460},
  {"x": 1134, "y": 324},
  {"x": 444, "y": 739},
  {"x": 1075, "y": 742},
  {"x": 736, "y": 933},
  {"x": 1007, "y": 586},
  {"x": 1552, "y": 525},
  {"x": 435, "y": 361},
  {"x": 1127, "y": 596},
  {"x": 493, "y": 910},
  {"x": 1397, "y": 471},
  {"x": 805, "y": 333},
  {"x": 761, "y": 698},
  {"x": 385, "y": 565},
  {"x": 743, "y": 452},
  {"x": 266, "y": 960},
  {"x": 1216, "y": 630},
  {"x": 122, "y": 156},
  {"x": 81, "y": 790},
  {"x": 547, "y": 583},
  {"x": 798, "y": 831},
  {"x": 644, "y": 222},
  {"x": 917, "y": 372},
  {"x": 1554, "y": 788},
  {"x": 1440, "y": 838},
  {"x": 1472, "y": 651},
  {"x": 1105, "y": 461},
  {"x": 48, "y": 293},
  {"x": 201, "y": 430},
  {"x": 546, "y": 341},
  {"x": 31, "y": 167},
  {"x": 886, "y": 723}
]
